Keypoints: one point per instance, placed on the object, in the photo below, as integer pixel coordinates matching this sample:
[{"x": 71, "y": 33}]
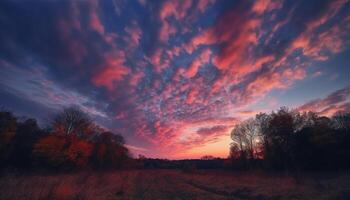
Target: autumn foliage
[{"x": 72, "y": 141}]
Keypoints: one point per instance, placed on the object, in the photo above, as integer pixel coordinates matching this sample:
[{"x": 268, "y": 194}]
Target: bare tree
[
  {"x": 341, "y": 120},
  {"x": 72, "y": 121},
  {"x": 239, "y": 139},
  {"x": 251, "y": 132},
  {"x": 247, "y": 137}
]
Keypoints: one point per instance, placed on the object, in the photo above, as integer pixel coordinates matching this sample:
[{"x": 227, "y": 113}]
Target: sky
[{"x": 174, "y": 77}]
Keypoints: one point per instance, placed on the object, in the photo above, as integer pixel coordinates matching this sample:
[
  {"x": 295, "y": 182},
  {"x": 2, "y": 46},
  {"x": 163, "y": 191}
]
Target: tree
[
  {"x": 207, "y": 157},
  {"x": 250, "y": 128},
  {"x": 247, "y": 138},
  {"x": 341, "y": 120},
  {"x": 278, "y": 139},
  {"x": 49, "y": 151},
  {"x": 27, "y": 134},
  {"x": 79, "y": 152},
  {"x": 8, "y": 128},
  {"x": 72, "y": 142},
  {"x": 235, "y": 152},
  {"x": 72, "y": 121},
  {"x": 239, "y": 139},
  {"x": 238, "y": 149},
  {"x": 109, "y": 150}
]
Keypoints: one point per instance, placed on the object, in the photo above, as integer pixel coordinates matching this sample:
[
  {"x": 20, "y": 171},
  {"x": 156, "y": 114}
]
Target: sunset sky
[{"x": 174, "y": 77}]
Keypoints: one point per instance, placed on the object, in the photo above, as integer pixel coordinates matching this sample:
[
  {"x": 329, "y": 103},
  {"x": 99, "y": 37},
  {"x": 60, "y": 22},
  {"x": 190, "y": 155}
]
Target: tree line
[
  {"x": 71, "y": 141},
  {"x": 290, "y": 140},
  {"x": 282, "y": 140}
]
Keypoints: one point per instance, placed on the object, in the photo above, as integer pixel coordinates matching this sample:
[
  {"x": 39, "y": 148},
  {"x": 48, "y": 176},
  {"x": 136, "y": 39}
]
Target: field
[{"x": 173, "y": 184}]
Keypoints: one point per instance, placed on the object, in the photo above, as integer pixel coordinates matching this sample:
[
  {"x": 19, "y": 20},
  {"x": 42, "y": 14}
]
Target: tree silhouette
[
  {"x": 8, "y": 128},
  {"x": 72, "y": 121},
  {"x": 293, "y": 141},
  {"x": 72, "y": 141}
]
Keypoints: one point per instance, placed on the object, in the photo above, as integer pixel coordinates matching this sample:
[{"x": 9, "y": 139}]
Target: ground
[{"x": 174, "y": 184}]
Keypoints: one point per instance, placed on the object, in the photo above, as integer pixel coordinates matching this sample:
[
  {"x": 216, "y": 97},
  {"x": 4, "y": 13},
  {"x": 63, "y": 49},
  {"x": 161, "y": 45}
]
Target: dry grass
[{"x": 173, "y": 184}]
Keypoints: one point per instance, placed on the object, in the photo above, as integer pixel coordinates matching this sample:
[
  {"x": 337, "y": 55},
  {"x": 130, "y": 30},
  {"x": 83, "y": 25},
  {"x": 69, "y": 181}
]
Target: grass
[{"x": 173, "y": 184}]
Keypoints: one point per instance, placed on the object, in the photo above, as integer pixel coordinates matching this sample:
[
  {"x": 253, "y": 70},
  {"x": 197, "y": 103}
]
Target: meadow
[{"x": 174, "y": 184}]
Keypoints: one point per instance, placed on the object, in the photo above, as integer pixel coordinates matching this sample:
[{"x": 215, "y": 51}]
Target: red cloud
[
  {"x": 262, "y": 6},
  {"x": 191, "y": 96},
  {"x": 175, "y": 9},
  {"x": 113, "y": 70},
  {"x": 197, "y": 62},
  {"x": 159, "y": 60},
  {"x": 205, "y": 37},
  {"x": 235, "y": 40}
]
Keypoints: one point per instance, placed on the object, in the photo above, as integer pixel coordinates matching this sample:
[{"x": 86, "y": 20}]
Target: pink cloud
[
  {"x": 191, "y": 96},
  {"x": 165, "y": 31},
  {"x": 202, "y": 59},
  {"x": 244, "y": 77},
  {"x": 316, "y": 74},
  {"x": 171, "y": 8},
  {"x": 160, "y": 60},
  {"x": 261, "y": 6},
  {"x": 113, "y": 71},
  {"x": 205, "y": 37},
  {"x": 94, "y": 21},
  {"x": 202, "y": 5},
  {"x": 314, "y": 44},
  {"x": 235, "y": 40},
  {"x": 136, "y": 78},
  {"x": 267, "y": 82},
  {"x": 134, "y": 33},
  {"x": 209, "y": 131},
  {"x": 175, "y": 8},
  {"x": 334, "y": 102}
]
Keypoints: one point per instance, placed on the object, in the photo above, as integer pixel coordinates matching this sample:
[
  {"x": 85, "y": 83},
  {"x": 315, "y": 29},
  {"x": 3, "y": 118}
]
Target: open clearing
[{"x": 173, "y": 184}]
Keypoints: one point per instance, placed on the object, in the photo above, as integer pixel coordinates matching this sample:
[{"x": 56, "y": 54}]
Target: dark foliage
[
  {"x": 290, "y": 140},
  {"x": 186, "y": 165},
  {"x": 283, "y": 140},
  {"x": 72, "y": 141}
]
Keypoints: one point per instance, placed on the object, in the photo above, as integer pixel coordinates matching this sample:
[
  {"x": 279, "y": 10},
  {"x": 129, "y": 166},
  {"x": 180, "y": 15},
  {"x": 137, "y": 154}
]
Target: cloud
[
  {"x": 203, "y": 58},
  {"x": 317, "y": 74},
  {"x": 210, "y": 131},
  {"x": 262, "y": 6},
  {"x": 135, "y": 34},
  {"x": 334, "y": 102},
  {"x": 169, "y": 75},
  {"x": 266, "y": 82},
  {"x": 202, "y": 5},
  {"x": 175, "y": 9},
  {"x": 32, "y": 83},
  {"x": 113, "y": 71}
]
